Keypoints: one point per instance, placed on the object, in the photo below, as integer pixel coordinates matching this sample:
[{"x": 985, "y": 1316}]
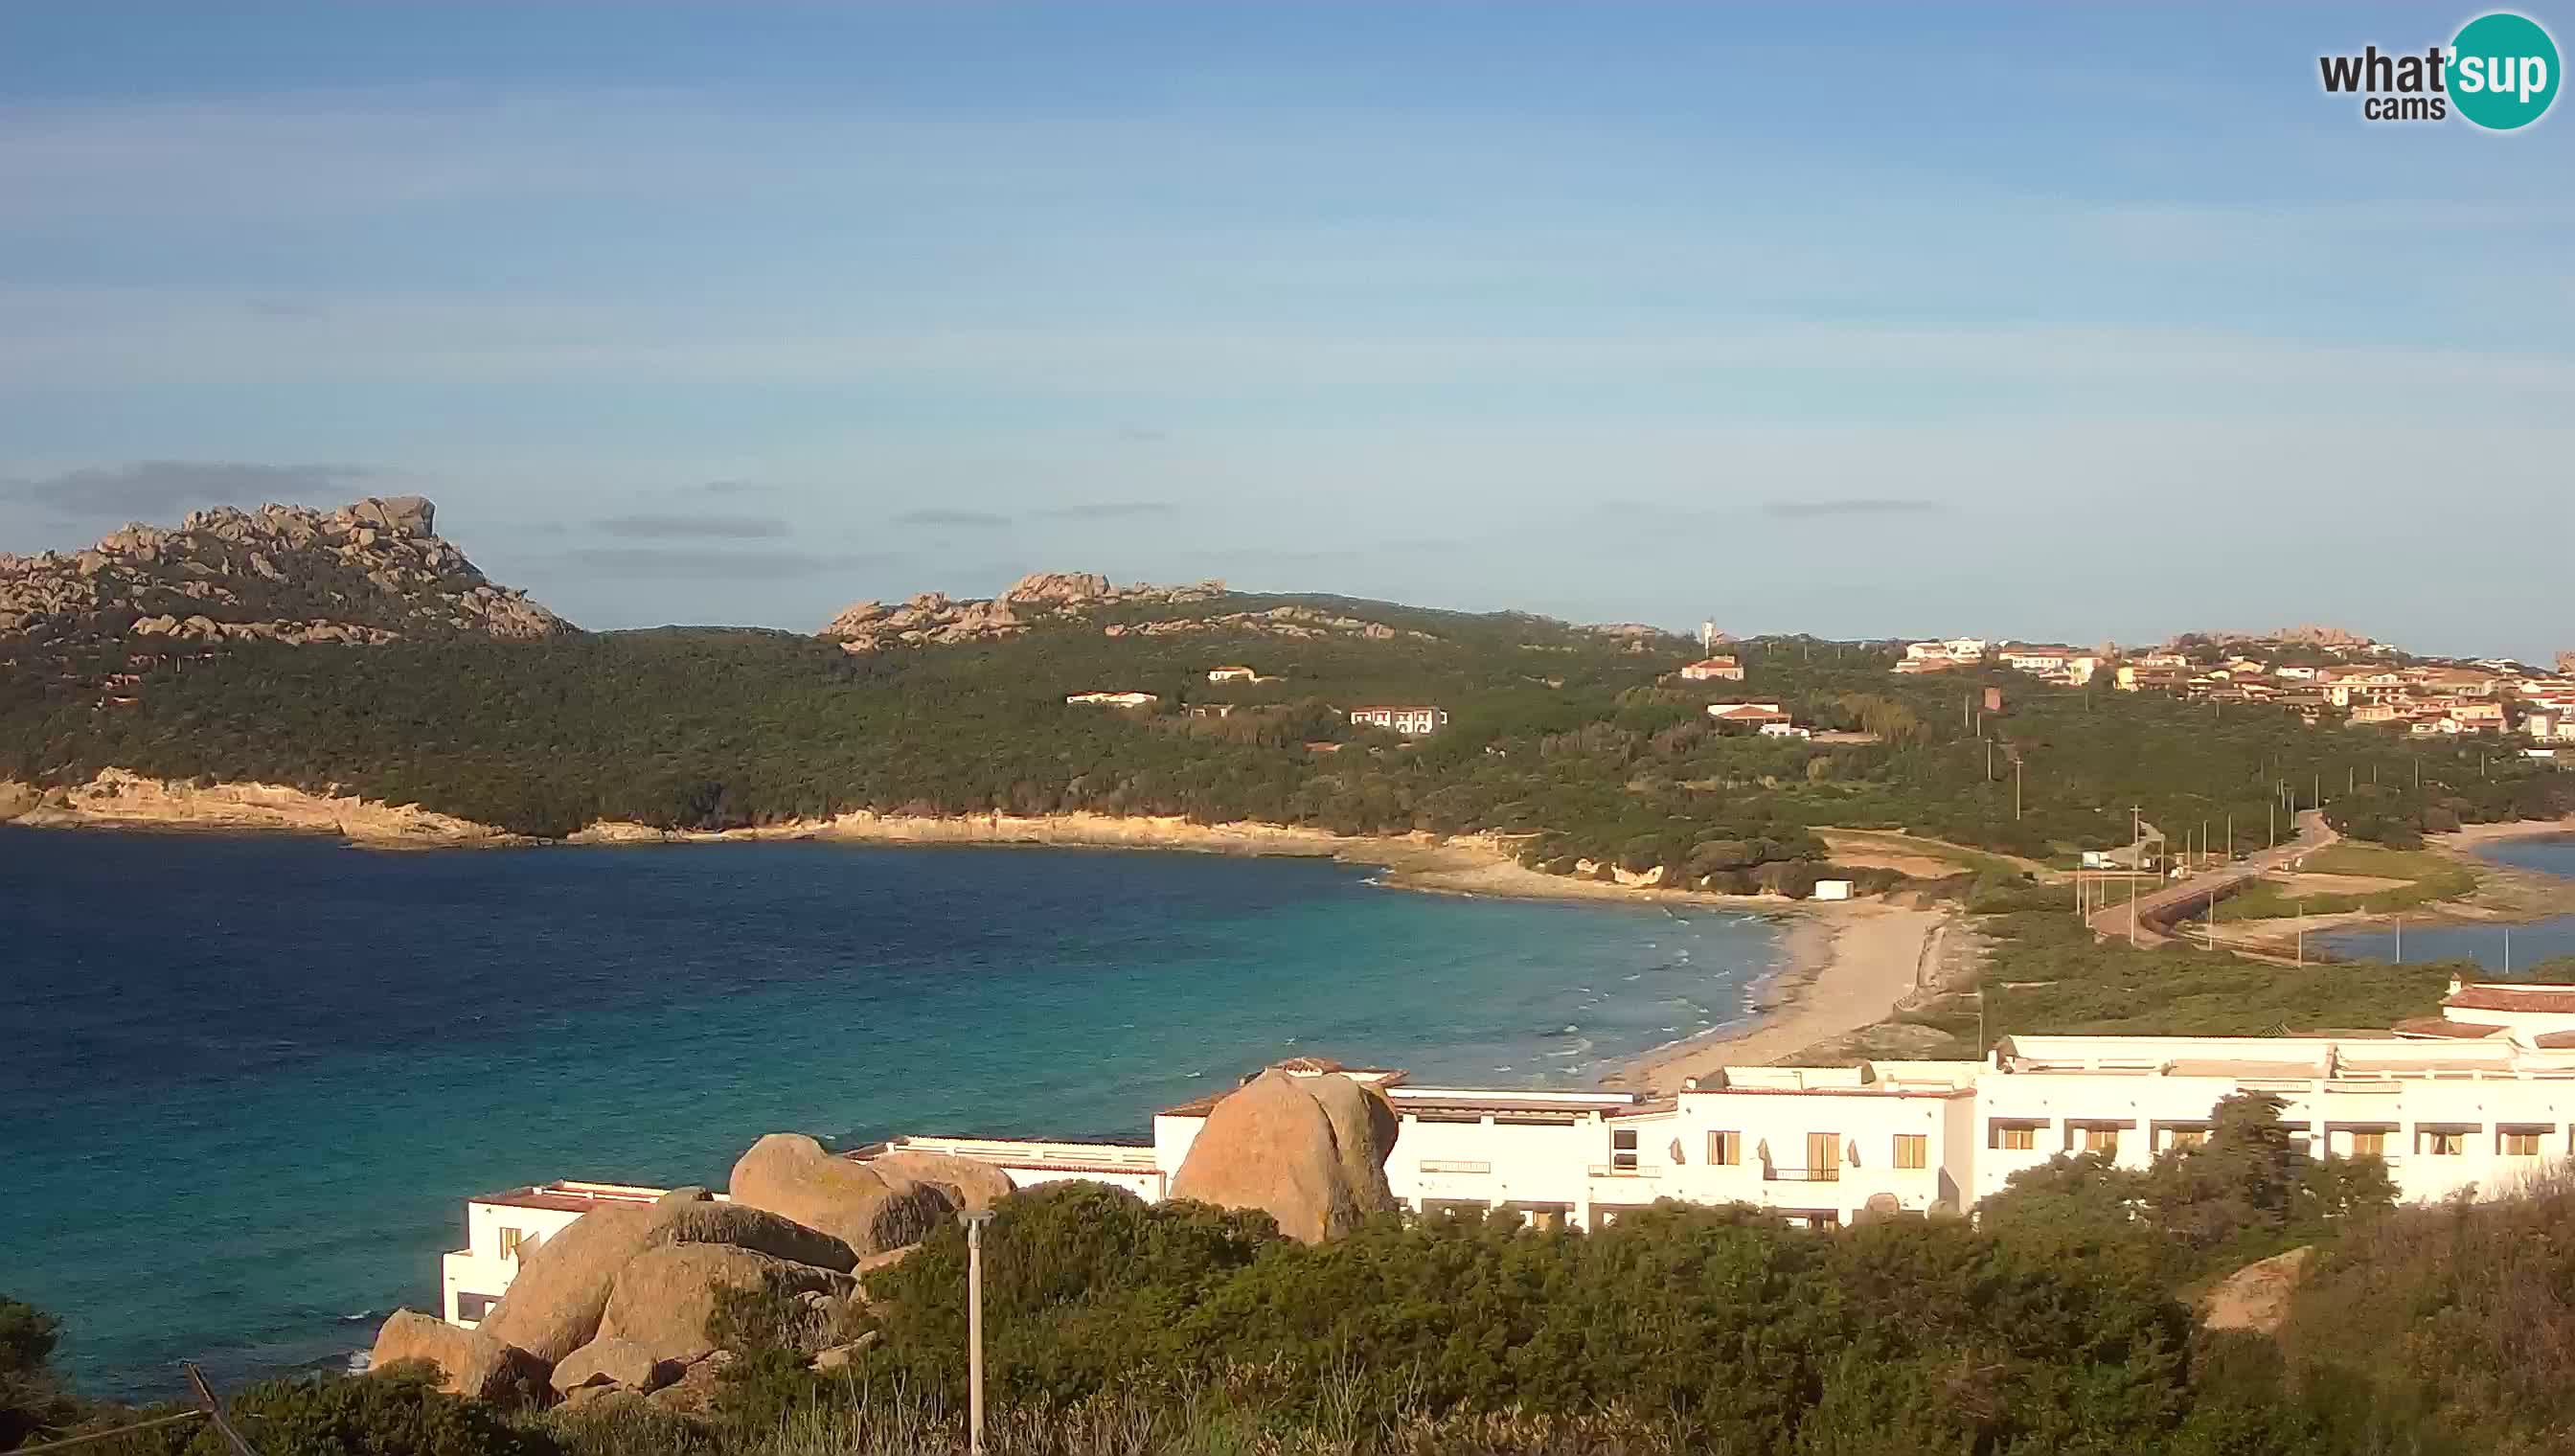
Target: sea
[
  {"x": 246, "y": 1083},
  {"x": 2497, "y": 948}
]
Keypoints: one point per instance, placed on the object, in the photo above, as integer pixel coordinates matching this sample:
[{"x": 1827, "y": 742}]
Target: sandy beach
[{"x": 1848, "y": 967}]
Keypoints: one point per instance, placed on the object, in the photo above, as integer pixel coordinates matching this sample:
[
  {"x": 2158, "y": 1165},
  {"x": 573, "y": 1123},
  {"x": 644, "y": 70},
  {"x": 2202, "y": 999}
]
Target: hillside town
[{"x": 2368, "y": 683}]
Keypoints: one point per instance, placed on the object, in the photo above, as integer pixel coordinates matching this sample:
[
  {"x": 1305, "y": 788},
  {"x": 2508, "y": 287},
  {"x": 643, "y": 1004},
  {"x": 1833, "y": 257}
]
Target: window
[
  {"x": 1912, "y": 1148},
  {"x": 1725, "y": 1150},
  {"x": 475, "y": 1306},
  {"x": 2188, "y": 1138},
  {"x": 2445, "y": 1144},
  {"x": 1622, "y": 1149},
  {"x": 2521, "y": 1144},
  {"x": 1824, "y": 1156},
  {"x": 2015, "y": 1136},
  {"x": 2369, "y": 1144},
  {"x": 2101, "y": 1139},
  {"x": 511, "y": 1241}
]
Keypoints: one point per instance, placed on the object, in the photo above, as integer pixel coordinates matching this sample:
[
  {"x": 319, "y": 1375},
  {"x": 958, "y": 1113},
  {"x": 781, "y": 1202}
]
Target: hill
[
  {"x": 1585, "y": 746},
  {"x": 369, "y": 573}
]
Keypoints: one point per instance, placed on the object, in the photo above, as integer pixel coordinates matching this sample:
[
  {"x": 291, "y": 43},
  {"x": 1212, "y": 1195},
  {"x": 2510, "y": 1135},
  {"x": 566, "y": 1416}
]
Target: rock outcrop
[
  {"x": 1296, "y": 622},
  {"x": 1309, "y": 1149},
  {"x": 665, "y": 1296},
  {"x": 2257, "y": 1297},
  {"x": 554, "y": 1305},
  {"x": 966, "y": 1184},
  {"x": 560, "y": 1299},
  {"x": 608, "y": 1360},
  {"x": 790, "y": 1175},
  {"x": 370, "y": 571},
  {"x": 470, "y": 1362},
  {"x": 935, "y": 618},
  {"x": 691, "y": 1216}
]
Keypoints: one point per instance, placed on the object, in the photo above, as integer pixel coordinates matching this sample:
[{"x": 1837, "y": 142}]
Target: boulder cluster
[
  {"x": 1280, "y": 622},
  {"x": 622, "y": 1304},
  {"x": 370, "y": 571},
  {"x": 1040, "y": 596}
]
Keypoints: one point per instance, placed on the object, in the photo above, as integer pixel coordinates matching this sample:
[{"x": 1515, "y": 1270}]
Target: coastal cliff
[{"x": 118, "y": 798}]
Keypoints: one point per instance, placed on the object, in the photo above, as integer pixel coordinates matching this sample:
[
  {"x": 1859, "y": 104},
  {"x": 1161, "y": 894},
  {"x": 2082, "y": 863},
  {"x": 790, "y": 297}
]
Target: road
[{"x": 2172, "y": 900}]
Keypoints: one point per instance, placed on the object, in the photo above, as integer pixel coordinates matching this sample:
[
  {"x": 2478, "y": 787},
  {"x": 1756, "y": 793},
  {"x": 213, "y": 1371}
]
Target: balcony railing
[{"x": 1801, "y": 1175}]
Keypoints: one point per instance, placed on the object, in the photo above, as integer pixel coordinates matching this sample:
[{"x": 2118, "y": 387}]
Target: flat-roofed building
[{"x": 500, "y": 1229}]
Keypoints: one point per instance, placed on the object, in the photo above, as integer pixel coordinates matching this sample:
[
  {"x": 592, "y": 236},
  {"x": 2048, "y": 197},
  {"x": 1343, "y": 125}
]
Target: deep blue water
[
  {"x": 2492, "y": 947},
  {"x": 246, "y": 1083}
]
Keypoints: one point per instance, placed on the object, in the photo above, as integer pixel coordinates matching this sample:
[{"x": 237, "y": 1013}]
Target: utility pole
[
  {"x": 2302, "y": 929},
  {"x": 2016, "y": 766},
  {"x": 2132, "y": 908},
  {"x": 975, "y": 1222}
]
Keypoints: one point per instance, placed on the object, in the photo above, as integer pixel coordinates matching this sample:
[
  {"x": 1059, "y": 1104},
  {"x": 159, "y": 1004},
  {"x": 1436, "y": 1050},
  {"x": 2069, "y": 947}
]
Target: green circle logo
[{"x": 2503, "y": 71}]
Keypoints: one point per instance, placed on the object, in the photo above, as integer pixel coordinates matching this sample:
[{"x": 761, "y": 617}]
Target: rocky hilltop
[
  {"x": 1056, "y": 597},
  {"x": 371, "y": 572},
  {"x": 935, "y": 616}
]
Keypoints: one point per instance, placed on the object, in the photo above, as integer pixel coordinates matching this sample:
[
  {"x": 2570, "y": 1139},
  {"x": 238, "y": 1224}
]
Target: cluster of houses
[
  {"x": 1410, "y": 720},
  {"x": 2469, "y": 1104},
  {"x": 2492, "y": 696}
]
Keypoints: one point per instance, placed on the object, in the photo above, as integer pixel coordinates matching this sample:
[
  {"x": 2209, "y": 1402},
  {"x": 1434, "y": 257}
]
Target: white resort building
[{"x": 2473, "y": 1101}]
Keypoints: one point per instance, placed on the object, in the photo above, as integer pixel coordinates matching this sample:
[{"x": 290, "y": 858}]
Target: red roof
[
  {"x": 2443, "y": 1026},
  {"x": 2558, "y": 999},
  {"x": 2552, "y": 1041}
]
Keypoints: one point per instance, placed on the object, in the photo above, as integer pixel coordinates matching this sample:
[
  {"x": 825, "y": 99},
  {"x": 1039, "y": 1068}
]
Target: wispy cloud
[
  {"x": 737, "y": 487},
  {"x": 942, "y": 516},
  {"x": 682, "y": 527},
  {"x": 719, "y": 561},
  {"x": 1853, "y": 506},
  {"x": 155, "y": 488},
  {"x": 1109, "y": 510}
]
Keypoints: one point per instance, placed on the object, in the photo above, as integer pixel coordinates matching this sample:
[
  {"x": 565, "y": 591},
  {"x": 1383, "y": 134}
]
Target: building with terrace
[{"x": 2469, "y": 1102}]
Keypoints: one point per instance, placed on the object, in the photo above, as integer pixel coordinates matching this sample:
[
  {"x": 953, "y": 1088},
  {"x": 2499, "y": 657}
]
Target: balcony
[{"x": 1801, "y": 1175}]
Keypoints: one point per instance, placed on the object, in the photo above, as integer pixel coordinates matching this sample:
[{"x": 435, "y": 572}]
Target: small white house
[
  {"x": 1111, "y": 700},
  {"x": 1832, "y": 889},
  {"x": 1413, "y": 723}
]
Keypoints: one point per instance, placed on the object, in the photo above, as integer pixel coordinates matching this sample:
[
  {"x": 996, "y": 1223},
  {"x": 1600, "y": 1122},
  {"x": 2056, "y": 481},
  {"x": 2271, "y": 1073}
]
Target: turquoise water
[
  {"x": 250, "y": 1080},
  {"x": 2495, "y": 947}
]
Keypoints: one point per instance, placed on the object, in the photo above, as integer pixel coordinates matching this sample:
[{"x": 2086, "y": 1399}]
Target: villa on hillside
[
  {"x": 1707, "y": 670},
  {"x": 1112, "y": 699},
  {"x": 1413, "y": 723}
]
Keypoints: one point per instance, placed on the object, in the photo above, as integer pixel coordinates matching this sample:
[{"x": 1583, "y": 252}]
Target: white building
[
  {"x": 2471, "y": 1101},
  {"x": 1231, "y": 675},
  {"x": 501, "y": 1227},
  {"x": 1707, "y": 670},
  {"x": 1413, "y": 723}
]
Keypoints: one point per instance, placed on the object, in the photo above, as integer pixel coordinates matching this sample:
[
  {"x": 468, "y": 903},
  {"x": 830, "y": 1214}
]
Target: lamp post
[{"x": 975, "y": 1219}]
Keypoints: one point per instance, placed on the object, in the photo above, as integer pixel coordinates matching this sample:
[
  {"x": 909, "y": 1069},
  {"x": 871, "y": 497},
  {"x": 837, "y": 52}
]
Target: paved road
[{"x": 2181, "y": 896}]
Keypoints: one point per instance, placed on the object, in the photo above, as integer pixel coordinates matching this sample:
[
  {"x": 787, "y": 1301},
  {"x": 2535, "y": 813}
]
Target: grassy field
[{"x": 2429, "y": 877}]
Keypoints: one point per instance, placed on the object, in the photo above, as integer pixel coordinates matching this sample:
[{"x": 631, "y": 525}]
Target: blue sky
[{"x": 2041, "y": 322}]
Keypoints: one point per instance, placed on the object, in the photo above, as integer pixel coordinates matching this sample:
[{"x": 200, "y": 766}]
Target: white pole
[{"x": 974, "y": 1223}]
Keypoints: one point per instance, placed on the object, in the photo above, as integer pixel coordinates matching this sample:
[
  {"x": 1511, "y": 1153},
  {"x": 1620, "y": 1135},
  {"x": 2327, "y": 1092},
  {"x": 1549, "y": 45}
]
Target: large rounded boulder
[
  {"x": 1310, "y": 1150},
  {"x": 790, "y": 1175},
  {"x": 611, "y": 1361},
  {"x": 551, "y": 1307},
  {"x": 469, "y": 1362},
  {"x": 666, "y": 1296},
  {"x": 741, "y": 1227},
  {"x": 969, "y": 1185}
]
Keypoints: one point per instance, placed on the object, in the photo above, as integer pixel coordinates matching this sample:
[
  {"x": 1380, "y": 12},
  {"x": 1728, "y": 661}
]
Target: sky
[{"x": 2081, "y": 323}]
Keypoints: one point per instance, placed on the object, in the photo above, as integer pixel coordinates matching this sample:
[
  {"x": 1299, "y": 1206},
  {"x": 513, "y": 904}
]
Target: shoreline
[
  {"x": 2506, "y": 894},
  {"x": 1841, "y": 971},
  {"x": 1470, "y": 865}
]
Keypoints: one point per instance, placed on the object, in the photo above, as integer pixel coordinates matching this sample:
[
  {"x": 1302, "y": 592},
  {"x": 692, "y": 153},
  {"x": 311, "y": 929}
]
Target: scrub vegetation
[
  {"x": 1583, "y": 745},
  {"x": 2061, "y": 1322}
]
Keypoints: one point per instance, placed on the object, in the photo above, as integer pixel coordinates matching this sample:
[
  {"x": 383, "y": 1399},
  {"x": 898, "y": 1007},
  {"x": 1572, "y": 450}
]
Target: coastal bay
[{"x": 270, "y": 1066}]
